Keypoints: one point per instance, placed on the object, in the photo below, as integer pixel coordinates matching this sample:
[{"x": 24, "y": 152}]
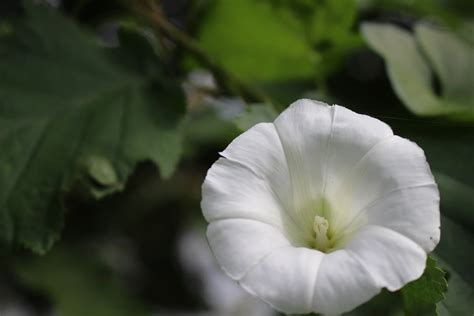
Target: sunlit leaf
[{"x": 254, "y": 41}]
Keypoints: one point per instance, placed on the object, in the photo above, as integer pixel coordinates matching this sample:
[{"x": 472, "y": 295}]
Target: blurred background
[{"x": 111, "y": 113}]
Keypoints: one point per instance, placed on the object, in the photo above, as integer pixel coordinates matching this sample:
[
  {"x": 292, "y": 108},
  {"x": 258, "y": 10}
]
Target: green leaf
[
  {"x": 326, "y": 13},
  {"x": 411, "y": 60},
  {"x": 420, "y": 296},
  {"x": 257, "y": 42},
  {"x": 69, "y": 110},
  {"x": 255, "y": 114},
  {"x": 334, "y": 41}
]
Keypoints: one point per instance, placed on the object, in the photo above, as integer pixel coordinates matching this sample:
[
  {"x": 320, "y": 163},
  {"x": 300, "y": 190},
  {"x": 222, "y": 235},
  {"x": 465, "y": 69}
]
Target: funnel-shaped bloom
[{"x": 319, "y": 210}]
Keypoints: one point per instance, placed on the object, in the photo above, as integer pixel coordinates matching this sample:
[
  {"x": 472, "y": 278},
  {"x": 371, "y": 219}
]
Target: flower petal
[
  {"x": 285, "y": 279},
  {"x": 392, "y": 259},
  {"x": 238, "y": 244},
  {"x": 260, "y": 149},
  {"x": 304, "y": 130},
  {"x": 353, "y": 136},
  {"x": 322, "y": 144},
  {"x": 412, "y": 212},
  {"x": 342, "y": 284},
  {"x": 232, "y": 190},
  {"x": 392, "y": 165}
]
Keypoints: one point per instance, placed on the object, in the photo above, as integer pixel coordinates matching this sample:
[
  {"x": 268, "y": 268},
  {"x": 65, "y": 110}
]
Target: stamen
[{"x": 320, "y": 227}]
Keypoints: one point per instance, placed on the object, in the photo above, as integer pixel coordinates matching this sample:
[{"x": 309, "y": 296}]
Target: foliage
[
  {"x": 421, "y": 296},
  {"x": 248, "y": 46},
  {"x": 447, "y": 55},
  {"x": 275, "y": 34},
  {"x": 69, "y": 110}
]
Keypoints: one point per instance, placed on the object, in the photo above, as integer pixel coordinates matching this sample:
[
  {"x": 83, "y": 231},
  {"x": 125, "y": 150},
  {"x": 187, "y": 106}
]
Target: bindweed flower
[{"x": 321, "y": 209}]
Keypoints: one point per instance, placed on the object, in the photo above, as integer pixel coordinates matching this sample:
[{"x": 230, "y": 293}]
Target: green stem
[{"x": 227, "y": 81}]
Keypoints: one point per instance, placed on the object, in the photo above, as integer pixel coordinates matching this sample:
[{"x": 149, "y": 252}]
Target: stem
[{"x": 228, "y": 82}]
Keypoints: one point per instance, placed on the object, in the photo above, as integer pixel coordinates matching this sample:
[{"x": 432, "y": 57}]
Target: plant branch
[{"x": 227, "y": 81}]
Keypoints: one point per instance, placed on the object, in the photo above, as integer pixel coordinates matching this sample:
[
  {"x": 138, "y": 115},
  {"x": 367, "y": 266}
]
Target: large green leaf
[
  {"x": 257, "y": 43},
  {"x": 274, "y": 40},
  {"x": 68, "y": 109},
  {"x": 331, "y": 28},
  {"x": 412, "y": 59},
  {"x": 328, "y": 28}
]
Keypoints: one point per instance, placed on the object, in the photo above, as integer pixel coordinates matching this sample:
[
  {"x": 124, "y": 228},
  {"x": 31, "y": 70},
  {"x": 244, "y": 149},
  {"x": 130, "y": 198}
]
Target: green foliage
[
  {"x": 412, "y": 59},
  {"x": 420, "y": 296},
  {"x": 328, "y": 29},
  {"x": 88, "y": 288},
  {"x": 331, "y": 27},
  {"x": 280, "y": 40},
  {"x": 260, "y": 45},
  {"x": 70, "y": 110}
]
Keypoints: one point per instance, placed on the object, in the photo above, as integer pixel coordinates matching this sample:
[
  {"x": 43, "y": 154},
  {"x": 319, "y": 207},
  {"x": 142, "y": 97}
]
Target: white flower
[{"x": 319, "y": 210}]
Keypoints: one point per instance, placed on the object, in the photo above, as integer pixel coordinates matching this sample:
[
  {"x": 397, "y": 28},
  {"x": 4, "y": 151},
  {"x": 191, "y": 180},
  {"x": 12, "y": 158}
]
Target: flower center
[{"x": 320, "y": 227}]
